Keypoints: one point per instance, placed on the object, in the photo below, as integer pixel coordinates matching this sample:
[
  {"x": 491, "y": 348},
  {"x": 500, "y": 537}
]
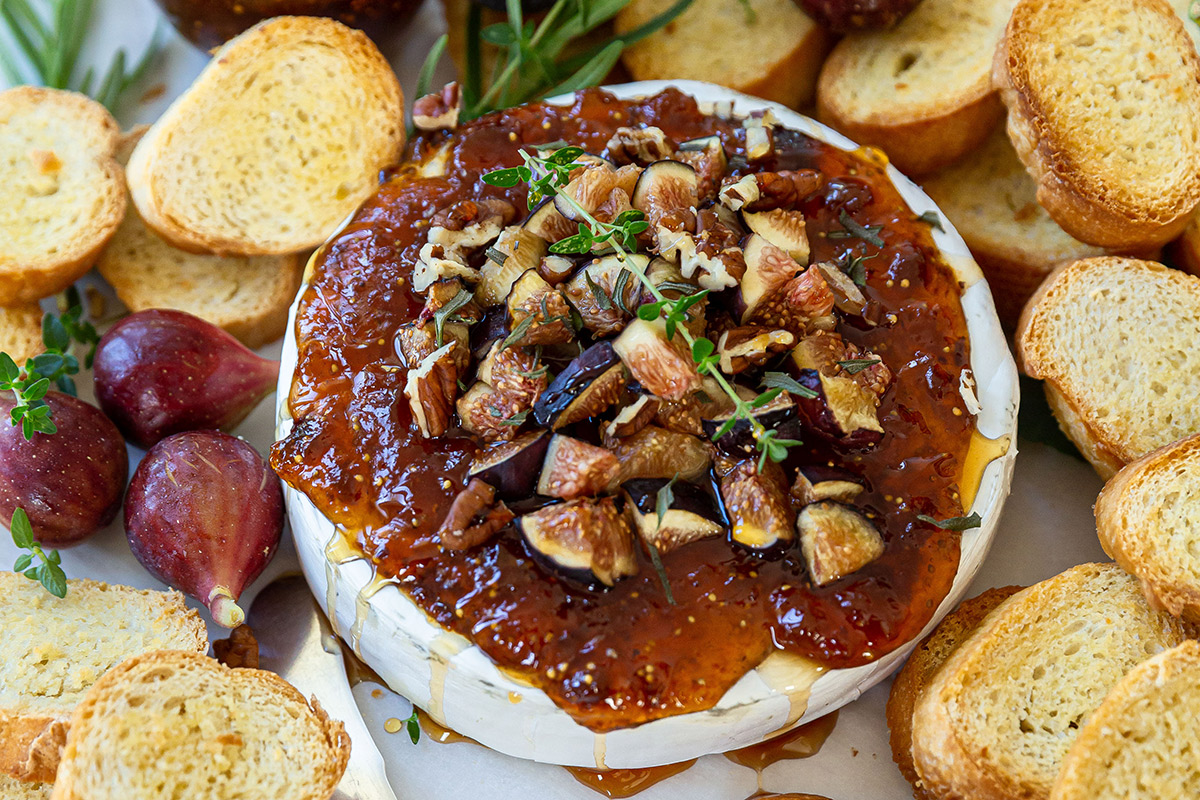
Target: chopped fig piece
[
  {"x": 576, "y": 469},
  {"x": 827, "y": 352},
  {"x": 473, "y": 518},
  {"x": 664, "y": 367},
  {"x": 493, "y": 327},
  {"x": 588, "y": 540},
  {"x": 546, "y": 222},
  {"x": 714, "y": 267},
  {"x": 764, "y": 191},
  {"x": 515, "y": 371},
  {"x": 538, "y": 311},
  {"x": 556, "y": 269},
  {"x": 516, "y": 251},
  {"x": 768, "y": 269},
  {"x": 684, "y": 416},
  {"x": 431, "y": 389},
  {"x": 784, "y": 229},
  {"x": 591, "y": 187},
  {"x": 655, "y": 452},
  {"x": 836, "y": 541},
  {"x": 589, "y": 384},
  {"x": 750, "y": 346},
  {"x": 638, "y": 146},
  {"x": 842, "y": 410},
  {"x": 484, "y": 412},
  {"x": 632, "y": 418},
  {"x": 707, "y": 157},
  {"x": 665, "y": 187},
  {"x": 511, "y": 379},
  {"x": 756, "y": 504},
  {"x": 690, "y": 517},
  {"x": 606, "y": 292},
  {"x": 739, "y": 440},
  {"x": 512, "y": 467},
  {"x": 841, "y": 491},
  {"x": 438, "y": 111},
  {"x": 847, "y": 297}
]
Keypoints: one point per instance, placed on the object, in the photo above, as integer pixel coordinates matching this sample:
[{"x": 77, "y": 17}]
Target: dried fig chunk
[
  {"x": 841, "y": 410},
  {"x": 829, "y": 354},
  {"x": 836, "y": 540},
  {"x": 512, "y": 468},
  {"x": 690, "y": 516},
  {"x": 780, "y": 415},
  {"x": 606, "y": 292},
  {"x": 539, "y": 312},
  {"x": 516, "y": 251},
  {"x": 707, "y": 157},
  {"x": 756, "y": 504},
  {"x": 511, "y": 379},
  {"x": 592, "y": 382},
  {"x": 667, "y": 193},
  {"x": 764, "y": 191},
  {"x": 576, "y": 469},
  {"x": 761, "y": 292},
  {"x": 631, "y": 419},
  {"x": 655, "y": 452},
  {"x": 663, "y": 367},
  {"x": 784, "y": 229},
  {"x": 588, "y": 540}
]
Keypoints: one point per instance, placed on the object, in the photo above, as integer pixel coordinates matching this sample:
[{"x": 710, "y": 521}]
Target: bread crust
[
  {"x": 1184, "y": 252},
  {"x": 919, "y": 670},
  {"x": 1130, "y": 539},
  {"x": 27, "y": 280},
  {"x": 189, "y": 228},
  {"x": 85, "y": 722},
  {"x": 1085, "y": 209},
  {"x": 917, "y": 144}
]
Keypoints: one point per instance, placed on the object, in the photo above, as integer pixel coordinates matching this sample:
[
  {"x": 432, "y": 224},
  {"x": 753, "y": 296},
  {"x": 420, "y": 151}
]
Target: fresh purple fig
[
  {"x": 204, "y": 513},
  {"x": 161, "y": 372},
  {"x": 69, "y": 483}
]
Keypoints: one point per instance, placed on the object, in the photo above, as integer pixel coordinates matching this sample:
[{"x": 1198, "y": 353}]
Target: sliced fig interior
[
  {"x": 588, "y": 540},
  {"x": 512, "y": 468},
  {"x": 691, "y": 514},
  {"x": 836, "y": 540},
  {"x": 590, "y": 384}
]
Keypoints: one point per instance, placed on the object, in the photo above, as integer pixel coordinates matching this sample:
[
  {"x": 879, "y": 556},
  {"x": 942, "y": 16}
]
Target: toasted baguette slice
[
  {"x": 63, "y": 194},
  {"x": 1184, "y": 8},
  {"x": 1104, "y": 110},
  {"x": 13, "y": 789},
  {"x": 281, "y": 136},
  {"x": 248, "y": 296},
  {"x": 998, "y": 717},
  {"x": 1141, "y": 741},
  {"x": 201, "y": 730},
  {"x": 21, "y": 331},
  {"x": 1148, "y": 521},
  {"x": 1114, "y": 340},
  {"x": 922, "y": 90},
  {"x": 774, "y": 51},
  {"x": 922, "y": 665},
  {"x": 992, "y": 201},
  {"x": 54, "y": 650},
  {"x": 1185, "y": 251}
]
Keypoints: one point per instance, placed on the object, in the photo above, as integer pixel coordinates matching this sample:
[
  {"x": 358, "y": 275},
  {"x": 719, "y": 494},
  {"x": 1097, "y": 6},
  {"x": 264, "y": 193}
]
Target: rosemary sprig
[
  {"x": 37, "y": 564},
  {"x": 49, "y": 37},
  {"x": 853, "y": 366},
  {"x": 954, "y": 523},
  {"x": 31, "y": 382},
  {"x": 533, "y": 58},
  {"x": 852, "y": 229},
  {"x": 549, "y": 175},
  {"x": 662, "y": 504}
]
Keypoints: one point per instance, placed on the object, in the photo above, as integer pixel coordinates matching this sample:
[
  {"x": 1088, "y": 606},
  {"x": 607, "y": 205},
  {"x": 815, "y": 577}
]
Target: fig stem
[{"x": 224, "y": 608}]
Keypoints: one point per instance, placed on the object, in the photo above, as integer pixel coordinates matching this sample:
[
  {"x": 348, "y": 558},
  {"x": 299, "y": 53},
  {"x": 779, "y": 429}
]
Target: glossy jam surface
[{"x": 622, "y": 656}]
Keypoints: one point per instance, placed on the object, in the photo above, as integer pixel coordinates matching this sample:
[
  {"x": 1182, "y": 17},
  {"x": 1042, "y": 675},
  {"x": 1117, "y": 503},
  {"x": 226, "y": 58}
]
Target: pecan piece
[
  {"x": 750, "y": 345},
  {"x": 638, "y": 146},
  {"x": 474, "y": 517}
]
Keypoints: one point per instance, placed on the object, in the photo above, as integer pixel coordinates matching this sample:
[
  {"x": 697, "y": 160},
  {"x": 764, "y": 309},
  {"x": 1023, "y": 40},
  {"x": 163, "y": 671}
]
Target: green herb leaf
[
  {"x": 518, "y": 333},
  {"x": 853, "y": 230},
  {"x": 856, "y": 365},
  {"x": 664, "y": 499},
  {"x": 932, "y": 219},
  {"x": 442, "y": 314},
  {"x": 781, "y": 380},
  {"x": 602, "y": 299},
  {"x": 53, "y": 579},
  {"x": 425, "y": 78},
  {"x": 504, "y": 178},
  {"x": 766, "y": 397},
  {"x": 516, "y": 419},
  {"x": 954, "y": 523},
  {"x": 496, "y": 256},
  {"x": 413, "y": 726},
  {"x": 855, "y": 267},
  {"x": 37, "y": 564},
  {"x": 22, "y": 530}
]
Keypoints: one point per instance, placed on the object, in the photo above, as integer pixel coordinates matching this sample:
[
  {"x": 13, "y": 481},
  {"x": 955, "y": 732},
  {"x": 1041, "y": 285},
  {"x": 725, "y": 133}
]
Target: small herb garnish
[
  {"x": 662, "y": 504},
  {"x": 49, "y": 46},
  {"x": 954, "y": 523},
  {"x": 536, "y": 60},
  {"x": 548, "y": 175},
  {"x": 619, "y": 287},
  {"x": 48, "y": 571},
  {"x": 853, "y": 230},
  {"x": 518, "y": 332},
  {"x": 855, "y": 267},
  {"x": 602, "y": 299},
  {"x": 413, "y": 726},
  {"x": 443, "y": 314},
  {"x": 53, "y": 368},
  {"x": 857, "y": 365},
  {"x": 932, "y": 219},
  {"x": 516, "y": 419},
  {"x": 748, "y": 10},
  {"x": 781, "y": 380},
  {"x": 497, "y": 256}
]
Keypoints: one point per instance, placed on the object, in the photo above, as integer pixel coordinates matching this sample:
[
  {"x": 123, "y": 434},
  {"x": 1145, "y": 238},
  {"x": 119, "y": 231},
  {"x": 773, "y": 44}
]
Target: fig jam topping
[{"x": 821, "y": 283}]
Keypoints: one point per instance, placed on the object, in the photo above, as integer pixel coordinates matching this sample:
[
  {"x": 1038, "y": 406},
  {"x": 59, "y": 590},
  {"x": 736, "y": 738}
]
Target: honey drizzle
[
  {"x": 440, "y": 733},
  {"x": 803, "y": 742},
  {"x": 792, "y": 676},
  {"x": 362, "y": 607},
  {"x": 337, "y": 552},
  {"x": 981, "y": 452},
  {"x": 444, "y": 648},
  {"x": 626, "y": 782}
]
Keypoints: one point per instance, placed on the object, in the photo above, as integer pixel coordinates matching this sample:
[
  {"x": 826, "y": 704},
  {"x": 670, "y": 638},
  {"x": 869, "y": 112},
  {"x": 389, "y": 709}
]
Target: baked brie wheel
[{"x": 537, "y": 503}]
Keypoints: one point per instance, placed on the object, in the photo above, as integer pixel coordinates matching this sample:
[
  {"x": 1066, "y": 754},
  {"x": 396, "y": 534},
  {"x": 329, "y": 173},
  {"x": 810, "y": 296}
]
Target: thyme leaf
[
  {"x": 852, "y": 229},
  {"x": 856, "y": 365},
  {"x": 38, "y": 565}
]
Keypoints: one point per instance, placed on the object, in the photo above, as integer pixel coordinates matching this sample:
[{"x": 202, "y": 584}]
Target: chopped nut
[
  {"x": 431, "y": 389},
  {"x": 473, "y": 519},
  {"x": 438, "y": 111},
  {"x": 749, "y": 346},
  {"x": 239, "y": 650},
  {"x": 639, "y": 146}
]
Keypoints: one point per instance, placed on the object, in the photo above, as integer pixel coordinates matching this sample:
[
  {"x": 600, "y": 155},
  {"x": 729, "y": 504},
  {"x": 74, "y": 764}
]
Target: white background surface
[{"x": 1047, "y": 527}]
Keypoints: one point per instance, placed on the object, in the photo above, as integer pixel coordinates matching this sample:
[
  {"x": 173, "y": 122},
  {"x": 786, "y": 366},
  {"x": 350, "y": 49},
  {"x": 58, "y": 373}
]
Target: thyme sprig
[
  {"x": 49, "y": 37},
  {"x": 37, "y": 565},
  {"x": 550, "y": 174},
  {"x": 52, "y": 369},
  {"x": 542, "y": 58}
]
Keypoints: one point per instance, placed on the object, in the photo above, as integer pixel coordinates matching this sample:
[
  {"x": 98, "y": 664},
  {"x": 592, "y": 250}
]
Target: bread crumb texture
[
  {"x": 1117, "y": 338},
  {"x": 1141, "y": 742},
  {"x": 13, "y": 789},
  {"x": 180, "y": 726}
]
